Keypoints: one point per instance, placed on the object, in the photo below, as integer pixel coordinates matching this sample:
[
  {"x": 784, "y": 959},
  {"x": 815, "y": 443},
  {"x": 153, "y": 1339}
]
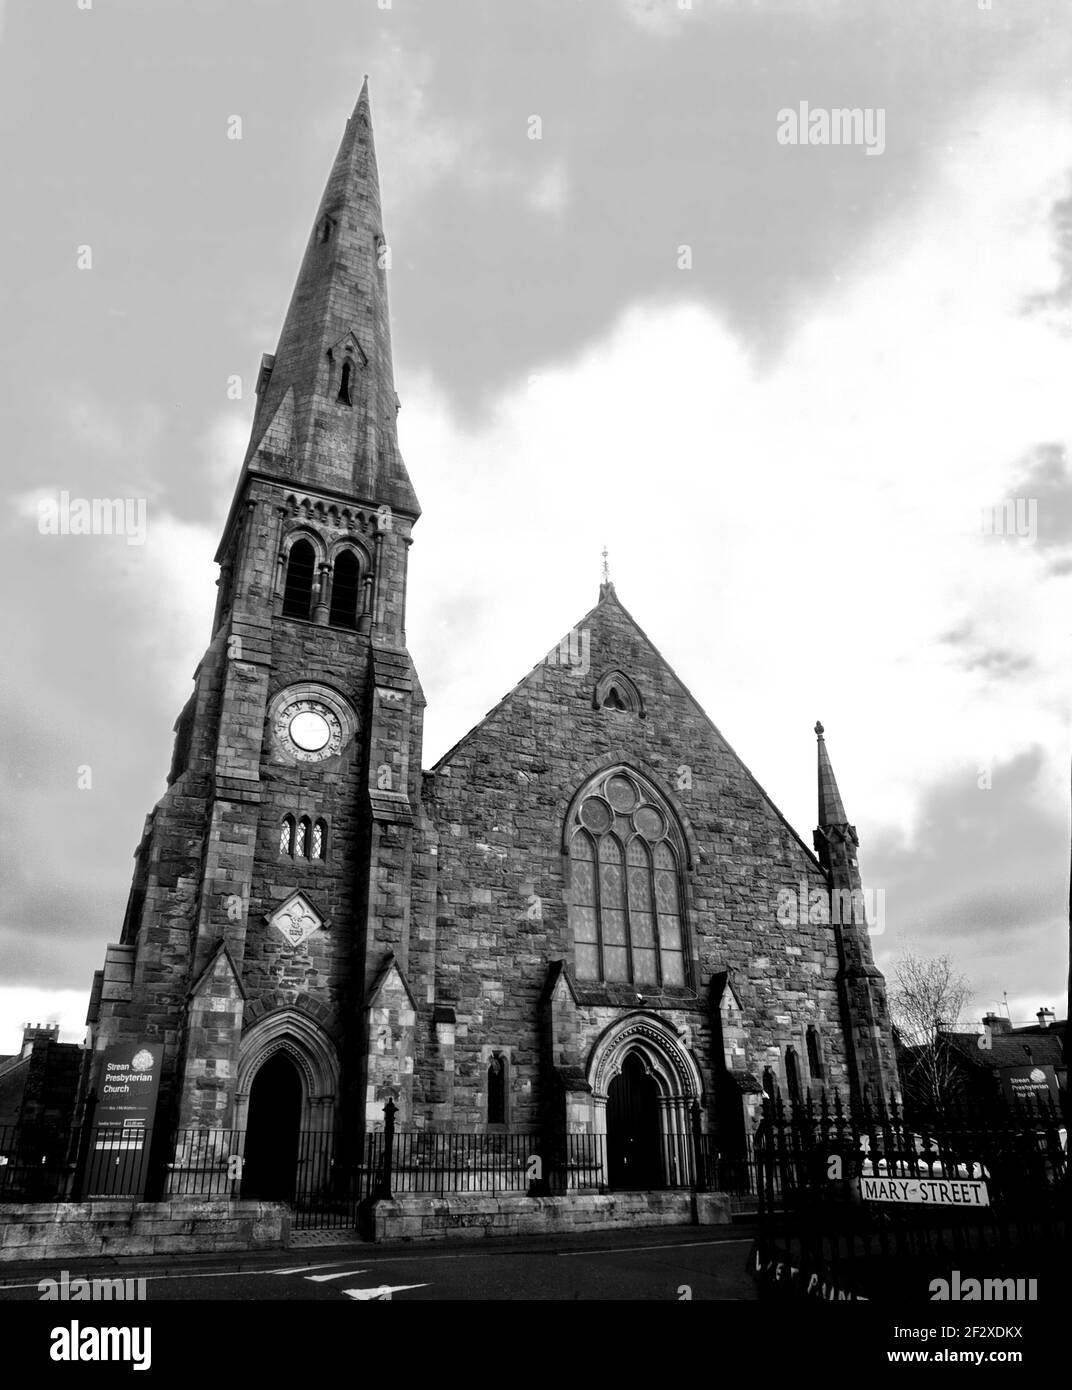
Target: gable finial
[{"x": 606, "y": 567}]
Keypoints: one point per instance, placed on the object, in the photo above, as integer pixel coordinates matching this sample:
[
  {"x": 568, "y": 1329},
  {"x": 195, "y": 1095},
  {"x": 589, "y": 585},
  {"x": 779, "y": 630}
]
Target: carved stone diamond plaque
[{"x": 297, "y": 919}]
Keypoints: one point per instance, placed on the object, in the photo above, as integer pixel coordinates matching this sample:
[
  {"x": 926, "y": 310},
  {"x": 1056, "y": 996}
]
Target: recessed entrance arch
[
  {"x": 273, "y": 1131},
  {"x": 633, "y": 1127},
  {"x": 287, "y": 1096},
  {"x": 644, "y": 1082},
  {"x": 311, "y": 1052}
]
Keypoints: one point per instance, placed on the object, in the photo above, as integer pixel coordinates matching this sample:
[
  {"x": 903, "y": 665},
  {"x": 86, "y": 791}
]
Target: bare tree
[{"x": 928, "y": 997}]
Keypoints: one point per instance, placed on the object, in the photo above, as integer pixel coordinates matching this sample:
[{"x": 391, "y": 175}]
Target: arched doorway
[
  {"x": 272, "y": 1131},
  {"x": 645, "y": 1083},
  {"x": 633, "y": 1127}
]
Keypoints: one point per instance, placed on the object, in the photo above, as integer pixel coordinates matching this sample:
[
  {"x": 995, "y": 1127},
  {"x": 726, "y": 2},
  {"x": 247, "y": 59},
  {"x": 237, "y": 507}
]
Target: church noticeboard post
[{"x": 123, "y": 1121}]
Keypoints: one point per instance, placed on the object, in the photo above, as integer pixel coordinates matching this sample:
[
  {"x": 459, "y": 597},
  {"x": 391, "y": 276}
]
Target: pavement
[{"x": 664, "y": 1263}]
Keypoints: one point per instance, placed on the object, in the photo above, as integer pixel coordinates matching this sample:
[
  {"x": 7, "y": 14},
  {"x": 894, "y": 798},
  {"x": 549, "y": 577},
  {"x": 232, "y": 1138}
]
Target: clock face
[{"x": 310, "y": 730}]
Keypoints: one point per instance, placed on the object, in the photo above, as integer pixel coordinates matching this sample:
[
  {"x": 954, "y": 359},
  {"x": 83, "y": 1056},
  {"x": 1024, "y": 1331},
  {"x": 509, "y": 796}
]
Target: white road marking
[
  {"x": 677, "y": 1245},
  {"x": 381, "y": 1293},
  {"x": 343, "y": 1274},
  {"x": 192, "y": 1274},
  {"x": 482, "y": 1253},
  {"x": 399, "y": 1258}
]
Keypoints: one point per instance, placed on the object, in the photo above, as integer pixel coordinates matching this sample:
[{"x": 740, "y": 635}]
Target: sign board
[
  {"x": 127, "y": 1088},
  {"x": 1029, "y": 1083},
  {"x": 936, "y": 1192}
]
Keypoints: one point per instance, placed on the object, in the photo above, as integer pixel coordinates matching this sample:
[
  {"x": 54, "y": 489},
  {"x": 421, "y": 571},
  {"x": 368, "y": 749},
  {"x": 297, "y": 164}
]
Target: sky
[{"x": 812, "y": 397}]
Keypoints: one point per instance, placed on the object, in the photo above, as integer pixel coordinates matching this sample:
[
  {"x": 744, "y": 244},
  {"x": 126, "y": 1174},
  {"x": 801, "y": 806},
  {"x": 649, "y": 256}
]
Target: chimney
[
  {"x": 997, "y": 1023},
  {"x": 38, "y": 1032},
  {"x": 1046, "y": 1017}
]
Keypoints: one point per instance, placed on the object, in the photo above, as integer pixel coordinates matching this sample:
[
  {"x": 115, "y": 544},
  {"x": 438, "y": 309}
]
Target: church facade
[{"x": 582, "y": 920}]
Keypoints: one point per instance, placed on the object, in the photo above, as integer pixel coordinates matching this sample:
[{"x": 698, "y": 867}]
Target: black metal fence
[
  {"x": 877, "y": 1205},
  {"x": 437, "y": 1163},
  {"x": 735, "y": 1175},
  {"x": 327, "y": 1176}
]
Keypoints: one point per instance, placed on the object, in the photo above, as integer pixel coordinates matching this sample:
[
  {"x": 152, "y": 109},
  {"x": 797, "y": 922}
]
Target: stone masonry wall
[
  {"x": 183, "y": 1225},
  {"x": 498, "y": 803}
]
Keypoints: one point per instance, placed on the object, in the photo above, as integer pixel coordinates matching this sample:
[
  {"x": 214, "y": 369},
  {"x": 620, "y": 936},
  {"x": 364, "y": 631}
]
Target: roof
[{"x": 1008, "y": 1049}]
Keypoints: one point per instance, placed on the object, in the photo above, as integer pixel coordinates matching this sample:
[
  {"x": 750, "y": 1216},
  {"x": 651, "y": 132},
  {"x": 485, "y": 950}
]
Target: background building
[
  {"x": 38, "y": 1084},
  {"x": 1019, "y": 1063}
]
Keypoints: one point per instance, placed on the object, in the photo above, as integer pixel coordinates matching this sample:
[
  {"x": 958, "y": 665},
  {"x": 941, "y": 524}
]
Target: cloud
[
  {"x": 984, "y": 878},
  {"x": 825, "y": 509},
  {"x": 1043, "y": 489},
  {"x": 787, "y": 449},
  {"x": 550, "y": 192},
  {"x": 803, "y": 538}
]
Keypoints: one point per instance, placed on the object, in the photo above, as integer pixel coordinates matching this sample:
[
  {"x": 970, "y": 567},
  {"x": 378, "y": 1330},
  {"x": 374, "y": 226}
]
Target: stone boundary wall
[
  {"x": 117, "y": 1226},
  {"x": 441, "y": 1218},
  {"x": 201, "y": 1225}
]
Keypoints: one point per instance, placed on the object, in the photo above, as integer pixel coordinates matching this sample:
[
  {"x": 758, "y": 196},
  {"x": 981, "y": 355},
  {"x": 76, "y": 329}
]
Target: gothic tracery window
[
  {"x": 298, "y": 593},
  {"x": 615, "y": 691},
  {"x": 303, "y": 838},
  {"x": 626, "y": 902},
  {"x": 345, "y": 587}
]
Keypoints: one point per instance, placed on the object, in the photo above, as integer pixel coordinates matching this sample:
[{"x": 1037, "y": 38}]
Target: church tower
[
  {"x": 861, "y": 986},
  {"x": 271, "y": 882}
]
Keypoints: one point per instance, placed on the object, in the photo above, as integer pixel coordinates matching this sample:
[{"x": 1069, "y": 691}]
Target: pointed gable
[
  {"x": 390, "y": 987},
  {"x": 219, "y": 979},
  {"x": 563, "y": 700}
]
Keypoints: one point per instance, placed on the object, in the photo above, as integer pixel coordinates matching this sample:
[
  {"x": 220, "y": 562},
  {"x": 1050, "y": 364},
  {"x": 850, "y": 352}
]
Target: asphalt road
[{"x": 665, "y": 1265}]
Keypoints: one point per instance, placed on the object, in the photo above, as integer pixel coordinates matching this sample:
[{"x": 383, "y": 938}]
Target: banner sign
[
  {"x": 127, "y": 1089},
  {"x": 1029, "y": 1083},
  {"x": 936, "y": 1192}
]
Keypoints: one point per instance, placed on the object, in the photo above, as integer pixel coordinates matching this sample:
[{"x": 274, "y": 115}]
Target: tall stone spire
[
  {"x": 326, "y": 400},
  {"x": 831, "y": 809},
  {"x": 861, "y": 987}
]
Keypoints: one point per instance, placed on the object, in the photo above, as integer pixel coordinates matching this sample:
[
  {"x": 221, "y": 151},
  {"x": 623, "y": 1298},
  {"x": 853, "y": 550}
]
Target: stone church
[{"x": 570, "y": 924}]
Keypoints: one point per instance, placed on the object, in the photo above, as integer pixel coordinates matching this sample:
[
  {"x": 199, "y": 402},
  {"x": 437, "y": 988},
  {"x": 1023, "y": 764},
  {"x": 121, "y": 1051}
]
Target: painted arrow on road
[{"x": 382, "y": 1292}]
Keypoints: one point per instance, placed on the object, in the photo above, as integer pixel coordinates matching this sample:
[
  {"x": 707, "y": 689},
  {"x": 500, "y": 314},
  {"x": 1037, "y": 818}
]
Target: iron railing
[
  {"x": 322, "y": 1173},
  {"x": 876, "y": 1204},
  {"x": 427, "y": 1162}
]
